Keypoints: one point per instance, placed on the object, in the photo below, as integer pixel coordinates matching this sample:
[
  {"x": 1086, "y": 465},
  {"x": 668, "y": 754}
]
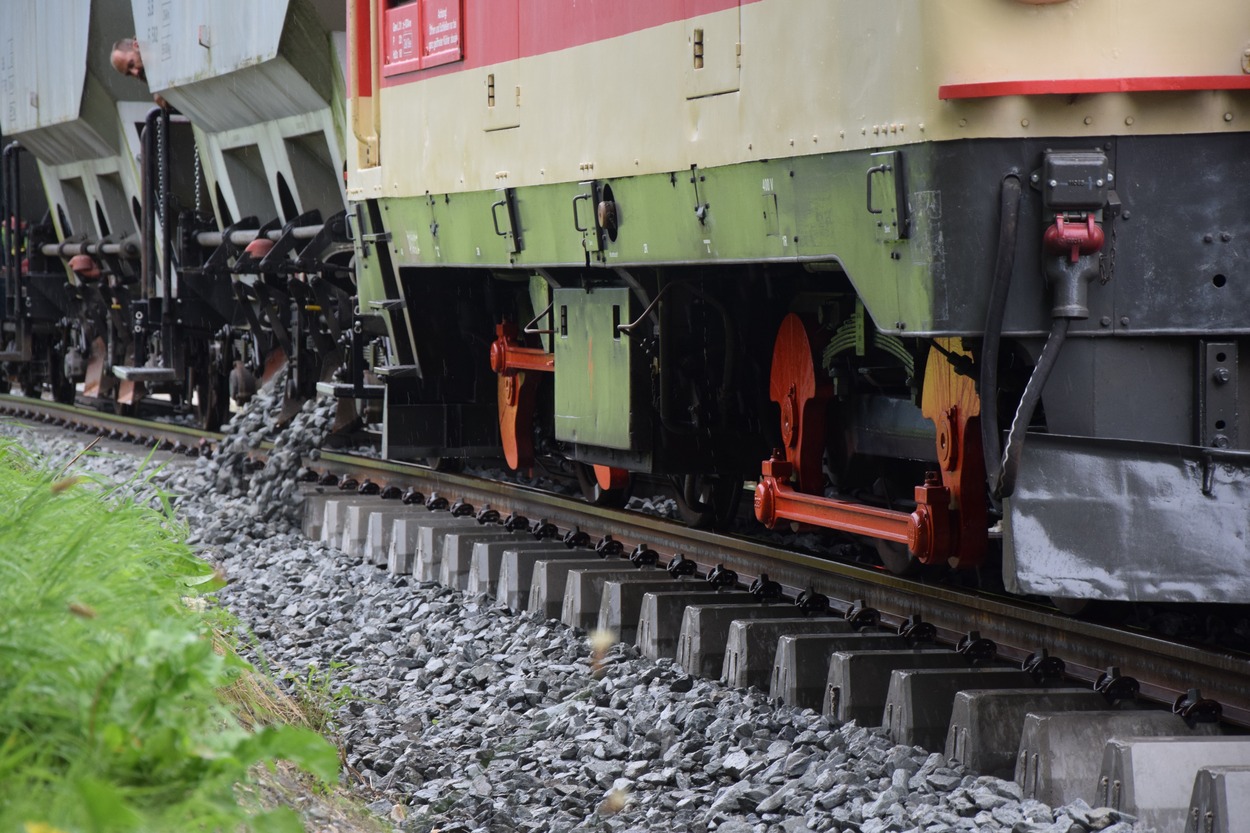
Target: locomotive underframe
[{"x": 814, "y": 232}]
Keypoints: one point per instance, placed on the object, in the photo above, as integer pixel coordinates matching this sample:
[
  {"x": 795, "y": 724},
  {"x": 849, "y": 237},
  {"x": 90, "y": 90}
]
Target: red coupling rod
[
  {"x": 927, "y": 532},
  {"x": 509, "y": 357}
]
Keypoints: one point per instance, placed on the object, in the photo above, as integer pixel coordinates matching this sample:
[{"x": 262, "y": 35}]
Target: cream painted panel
[
  {"x": 189, "y": 40},
  {"x": 1001, "y": 40},
  {"x": 818, "y": 76},
  {"x": 270, "y": 141},
  {"x": 712, "y": 44}
]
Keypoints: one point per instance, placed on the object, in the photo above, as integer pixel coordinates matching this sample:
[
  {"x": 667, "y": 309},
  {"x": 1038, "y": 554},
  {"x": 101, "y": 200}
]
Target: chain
[
  {"x": 160, "y": 167},
  {"x": 1107, "y": 264},
  {"x": 198, "y": 183}
]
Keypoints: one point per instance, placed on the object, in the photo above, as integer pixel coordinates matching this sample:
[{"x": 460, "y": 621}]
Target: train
[{"x": 961, "y": 279}]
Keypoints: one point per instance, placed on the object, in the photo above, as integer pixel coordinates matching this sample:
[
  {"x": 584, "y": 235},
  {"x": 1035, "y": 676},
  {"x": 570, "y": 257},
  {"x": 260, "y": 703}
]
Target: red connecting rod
[{"x": 927, "y": 532}]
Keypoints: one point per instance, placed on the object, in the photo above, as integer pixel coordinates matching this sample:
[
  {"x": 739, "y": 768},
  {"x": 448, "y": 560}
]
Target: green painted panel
[
  {"x": 811, "y": 208},
  {"x": 369, "y": 280},
  {"x": 593, "y": 363}
]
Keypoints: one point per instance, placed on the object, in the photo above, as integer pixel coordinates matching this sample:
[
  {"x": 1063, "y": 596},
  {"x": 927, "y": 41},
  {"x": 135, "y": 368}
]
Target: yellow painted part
[
  {"x": 815, "y": 76},
  {"x": 944, "y": 387}
]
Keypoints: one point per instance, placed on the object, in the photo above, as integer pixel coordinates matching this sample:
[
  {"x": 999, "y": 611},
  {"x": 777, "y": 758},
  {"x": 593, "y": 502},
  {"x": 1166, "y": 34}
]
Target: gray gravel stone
[{"x": 476, "y": 719}]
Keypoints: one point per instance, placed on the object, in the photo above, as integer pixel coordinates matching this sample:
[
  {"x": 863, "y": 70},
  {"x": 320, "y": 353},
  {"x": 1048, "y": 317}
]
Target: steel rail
[{"x": 1165, "y": 669}]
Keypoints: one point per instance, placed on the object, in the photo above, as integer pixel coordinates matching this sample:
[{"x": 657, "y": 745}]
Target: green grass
[{"x": 113, "y": 712}]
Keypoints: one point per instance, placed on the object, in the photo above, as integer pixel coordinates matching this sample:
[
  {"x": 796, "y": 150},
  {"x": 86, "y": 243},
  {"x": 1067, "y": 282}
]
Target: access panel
[{"x": 593, "y": 367}]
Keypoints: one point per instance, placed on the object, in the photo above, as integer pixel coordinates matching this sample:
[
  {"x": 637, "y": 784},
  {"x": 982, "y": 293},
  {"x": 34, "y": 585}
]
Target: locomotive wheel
[
  {"x": 951, "y": 401},
  {"x": 241, "y": 384},
  {"x": 63, "y": 389},
  {"x": 1071, "y": 606},
  {"x": 62, "y": 386},
  {"x": 708, "y": 501},
  {"x": 802, "y": 390},
  {"x": 896, "y": 558},
  {"x": 31, "y": 388},
  {"x": 594, "y": 493},
  {"x": 448, "y": 464},
  {"x": 516, "y": 397},
  {"x": 212, "y": 399}
]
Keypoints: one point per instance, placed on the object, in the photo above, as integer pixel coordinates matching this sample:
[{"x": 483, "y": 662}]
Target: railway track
[
  {"x": 1168, "y": 673},
  {"x": 1166, "y": 670}
]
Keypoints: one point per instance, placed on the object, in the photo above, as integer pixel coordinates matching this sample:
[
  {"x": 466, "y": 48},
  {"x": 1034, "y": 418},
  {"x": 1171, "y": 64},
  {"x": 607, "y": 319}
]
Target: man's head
[{"x": 127, "y": 60}]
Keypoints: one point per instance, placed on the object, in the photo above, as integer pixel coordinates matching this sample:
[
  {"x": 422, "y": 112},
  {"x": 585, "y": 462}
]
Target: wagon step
[
  {"x": 147, "y": 375},
  {"x": 346, "y": 390}
]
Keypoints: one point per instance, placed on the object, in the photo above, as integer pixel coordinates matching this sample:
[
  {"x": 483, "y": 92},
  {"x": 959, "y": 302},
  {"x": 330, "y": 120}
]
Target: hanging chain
[
  {"x": 198, "y": 183},
  {"x": 160, "y": 167}
]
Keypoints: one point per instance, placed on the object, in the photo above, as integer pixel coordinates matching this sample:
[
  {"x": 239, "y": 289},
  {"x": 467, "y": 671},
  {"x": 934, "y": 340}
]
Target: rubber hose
[
  {"x": 1028, "y": 404},
  {"x": 1004, "y": 265}
]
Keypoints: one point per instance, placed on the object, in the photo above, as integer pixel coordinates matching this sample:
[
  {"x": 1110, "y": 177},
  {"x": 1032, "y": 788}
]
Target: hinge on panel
[
  {"x": 886, "y": 196},
  {"x": 505, "y": 221},
  {"x": 700, "y": 207},
  {"x": 1217, "y": 394}
]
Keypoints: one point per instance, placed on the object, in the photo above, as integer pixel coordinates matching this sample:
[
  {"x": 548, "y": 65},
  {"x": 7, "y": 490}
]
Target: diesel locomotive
[{"x": 961, "y": 277}]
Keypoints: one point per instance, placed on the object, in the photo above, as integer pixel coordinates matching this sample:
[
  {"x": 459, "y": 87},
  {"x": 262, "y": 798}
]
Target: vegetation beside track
[{"x": 120, "y": 703}]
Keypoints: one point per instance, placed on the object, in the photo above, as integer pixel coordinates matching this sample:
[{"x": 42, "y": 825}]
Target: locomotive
[{"x": 962, "y": 277}]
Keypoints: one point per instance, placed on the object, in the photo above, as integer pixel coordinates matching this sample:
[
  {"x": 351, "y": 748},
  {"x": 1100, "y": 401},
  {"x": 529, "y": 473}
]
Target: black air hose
[
  {"x": 1028, "y": 403},
  {"x": 1004, "y": 265}
]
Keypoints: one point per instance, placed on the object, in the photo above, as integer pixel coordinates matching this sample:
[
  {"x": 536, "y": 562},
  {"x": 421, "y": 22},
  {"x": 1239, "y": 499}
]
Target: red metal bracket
[
  {"x": 508, "y": 357},
  {"x": 926, "y": 531},
  {"x": 517, "y": 390}
]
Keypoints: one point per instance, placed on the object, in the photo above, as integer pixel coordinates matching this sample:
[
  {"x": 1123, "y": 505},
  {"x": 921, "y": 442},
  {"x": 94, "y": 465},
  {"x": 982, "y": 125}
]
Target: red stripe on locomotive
[{"x": 496, "y": 31}]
